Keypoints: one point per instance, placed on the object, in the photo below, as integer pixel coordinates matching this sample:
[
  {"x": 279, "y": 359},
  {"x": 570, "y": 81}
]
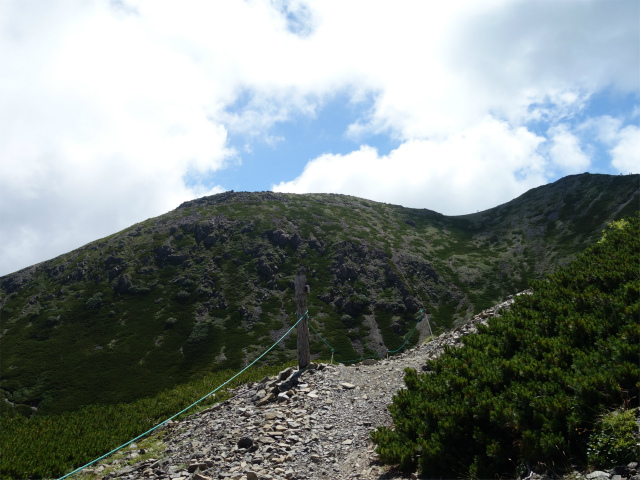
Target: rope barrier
[
  {"x": 326, "y": 343},
  {"x": 388, "y": 351},
  {"x": 193, "y": 404}
]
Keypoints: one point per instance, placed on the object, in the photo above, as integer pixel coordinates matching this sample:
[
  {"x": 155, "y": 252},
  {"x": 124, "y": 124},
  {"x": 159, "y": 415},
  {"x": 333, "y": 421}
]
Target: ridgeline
[{"x": 205, "y": 287}]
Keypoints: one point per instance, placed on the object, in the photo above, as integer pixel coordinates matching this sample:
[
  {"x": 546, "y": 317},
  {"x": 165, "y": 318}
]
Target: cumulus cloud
[
  {"x": 625, "y": 155},
  {"x": 115, "y": 111},
  {"x": 474, "y": 170},
  {"x": 622, "y": 141},
  {"x": 566, "y": 152}
]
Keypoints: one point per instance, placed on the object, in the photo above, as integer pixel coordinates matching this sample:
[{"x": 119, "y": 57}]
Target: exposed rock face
[{"x": 123, "y": 284}]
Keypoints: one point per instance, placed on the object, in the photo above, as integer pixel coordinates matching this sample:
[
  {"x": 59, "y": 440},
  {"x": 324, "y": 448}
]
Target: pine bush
[{"x": 525, "y": 392}]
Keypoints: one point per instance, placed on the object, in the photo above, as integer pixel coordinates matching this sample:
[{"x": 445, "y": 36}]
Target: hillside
[{"x": 206, "y": 286}]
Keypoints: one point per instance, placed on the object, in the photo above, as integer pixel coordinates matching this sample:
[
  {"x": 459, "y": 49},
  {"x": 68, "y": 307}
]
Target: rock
[
  {"x": 251, "y": 475},
  {"x": 348, "y": 386},
  {"x": 245, "y": 442},
  {"x": 370, "y": 361},
  {"x": 284, "y": 374},
  {"x": 283, "y": 397},
  {"x": 266, "y": 399},
  {"x": 123, "y": 284},
  {"x": 598, "y": 475},
  {"x": 194, "y": 466},
  {"x": 177, "y": 259},
  {"x": 199, "y": 476}
]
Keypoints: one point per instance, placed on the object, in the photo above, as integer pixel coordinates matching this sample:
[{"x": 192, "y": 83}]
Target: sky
[{"x": 115, "y": 111}]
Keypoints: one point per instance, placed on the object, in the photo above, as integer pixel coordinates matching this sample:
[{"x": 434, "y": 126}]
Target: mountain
[{"x": 209, "y": 285}]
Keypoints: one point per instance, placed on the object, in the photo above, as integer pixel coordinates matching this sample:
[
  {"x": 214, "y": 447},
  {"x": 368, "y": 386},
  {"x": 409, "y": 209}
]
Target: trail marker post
[
  {"x": 426, "y": 315},
  {"x": 304, "y": 354}
]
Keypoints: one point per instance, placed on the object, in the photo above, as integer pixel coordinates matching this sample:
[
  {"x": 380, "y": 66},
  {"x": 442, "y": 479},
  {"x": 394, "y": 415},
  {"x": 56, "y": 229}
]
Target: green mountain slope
[
  {"x": 208, "y": 285},
  {"x": 532, "y": 389}
]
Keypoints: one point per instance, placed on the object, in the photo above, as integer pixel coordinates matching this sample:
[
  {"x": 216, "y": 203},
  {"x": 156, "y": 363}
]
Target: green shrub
[
  {"x": 615, "y": 440},
  {"x": 170, "y": 322},
  {"x": 182, "y": 295},
  {"x": 94, "y": 302},
  {"x": 520, "y": 392},
  {"x": 139, "y": 289},
  {"x": 53, "y": 445},
  {"x": 199, "y": 332}
]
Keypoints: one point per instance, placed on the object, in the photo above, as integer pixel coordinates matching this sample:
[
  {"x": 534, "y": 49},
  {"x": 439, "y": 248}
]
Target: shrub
[
  {"x": 170, "y": 322},
  {"x": 94, "y": 302},
  {"x": 521, "y": 391},
  {"x": 199, "y": 332},
  {"x": 615, "y": 440},
  {"x": 139, "y": 289},
  {"x": 182, "y": 295}
]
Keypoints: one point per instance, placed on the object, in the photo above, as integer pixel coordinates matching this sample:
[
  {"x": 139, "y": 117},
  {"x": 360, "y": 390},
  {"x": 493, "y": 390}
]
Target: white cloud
[
  {"x": 108, "y": 108},
  {"x": 625, "y": 156},
  {"x": 477, "y": 169},
  {"x": 622, "y": 141},
  {"x": 565, "y": 151}
]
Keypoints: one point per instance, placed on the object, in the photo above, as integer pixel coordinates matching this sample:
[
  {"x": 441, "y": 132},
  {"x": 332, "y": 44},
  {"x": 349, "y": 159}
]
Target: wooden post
[
  {"x": 304, "y": 354},
  {"x": 426, "y": 315}
]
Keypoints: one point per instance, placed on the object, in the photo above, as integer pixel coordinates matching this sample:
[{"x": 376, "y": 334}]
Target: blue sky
[
  {"x": 116, "y": 111},
  {"x": 290, "y": 144}
]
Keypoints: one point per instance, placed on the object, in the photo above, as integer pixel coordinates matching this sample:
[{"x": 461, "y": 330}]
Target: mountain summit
[{"x": 208, "y": 285}]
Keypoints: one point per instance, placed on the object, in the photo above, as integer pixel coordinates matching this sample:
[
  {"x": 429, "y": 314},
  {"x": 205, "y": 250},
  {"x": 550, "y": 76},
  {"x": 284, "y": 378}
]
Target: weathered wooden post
[{"x": 304, "y": 355}]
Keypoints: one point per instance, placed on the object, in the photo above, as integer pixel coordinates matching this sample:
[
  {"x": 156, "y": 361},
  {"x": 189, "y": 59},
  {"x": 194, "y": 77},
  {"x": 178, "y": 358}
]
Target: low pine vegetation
[
  {"x": 539, "y": 388},
  {"x": 54, "y": 445}
]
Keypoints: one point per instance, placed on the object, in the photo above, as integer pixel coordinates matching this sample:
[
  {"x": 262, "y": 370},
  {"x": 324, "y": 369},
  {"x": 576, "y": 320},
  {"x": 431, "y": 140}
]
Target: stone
[
  {"x": 597, "y": 475},
  {"x": 123, "y": 284},
  {"x": 348, "y": 386},
  {"x": 251, "y": 475},
  {"x": 199, "y": 476},
  {"x": 194, "y": 466},
  {"x": 245, "y": 442},
  {"x": 266, "y": 399},
  {"x": 283, "y": 397},
  {"x": 284, "y": 374}
]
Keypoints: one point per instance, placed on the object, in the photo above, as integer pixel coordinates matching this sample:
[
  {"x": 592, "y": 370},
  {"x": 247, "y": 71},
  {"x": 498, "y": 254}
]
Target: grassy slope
[{"x": 69, "y": 339}]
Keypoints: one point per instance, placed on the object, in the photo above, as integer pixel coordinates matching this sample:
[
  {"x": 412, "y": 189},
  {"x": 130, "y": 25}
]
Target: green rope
[
  {"x": 405, "y": 342},
  {"x": 332, "y": 350},
  {"x": 193, "y": 404},
  {"x": 388, "y": 351}
]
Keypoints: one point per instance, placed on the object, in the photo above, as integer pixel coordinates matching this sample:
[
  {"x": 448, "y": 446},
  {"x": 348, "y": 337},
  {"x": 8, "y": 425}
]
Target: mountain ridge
[{"x": 203, "y": 286}]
